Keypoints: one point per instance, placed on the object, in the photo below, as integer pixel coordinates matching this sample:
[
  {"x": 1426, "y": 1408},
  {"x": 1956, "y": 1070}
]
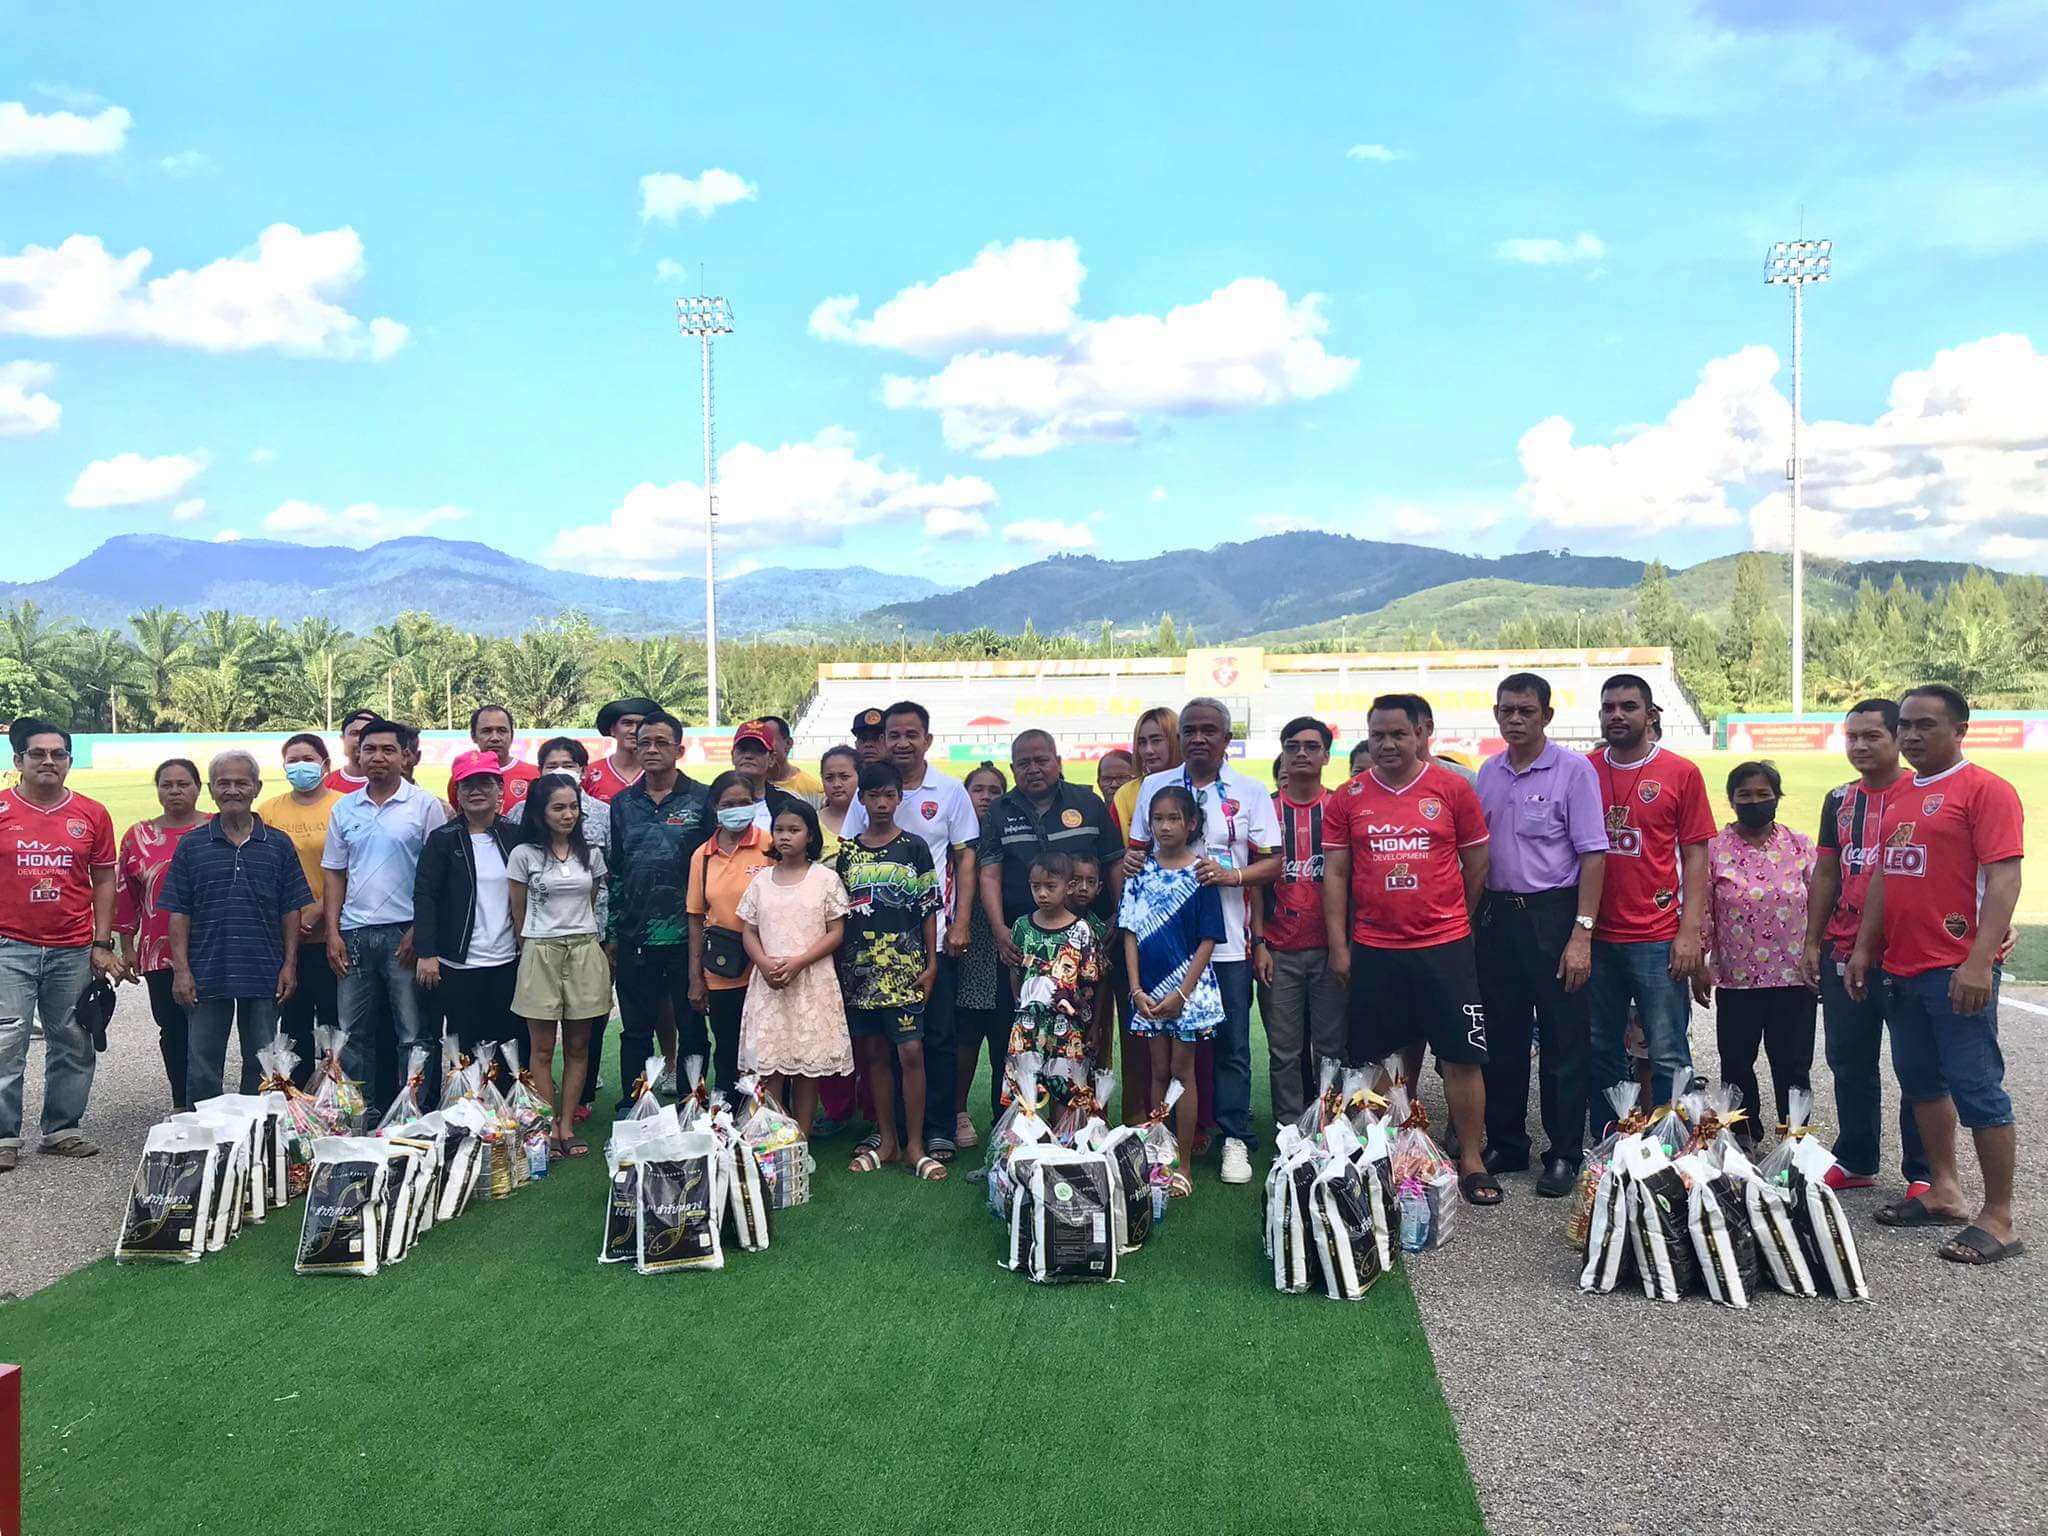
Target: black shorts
[
  {"x": 901, "y": 1023},
  {"x": 1400, "y": 996}
]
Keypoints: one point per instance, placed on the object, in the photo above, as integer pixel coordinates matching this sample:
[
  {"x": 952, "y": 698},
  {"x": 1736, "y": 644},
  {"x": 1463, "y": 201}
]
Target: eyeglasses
[
  {"x": 46, "y": 755},
  {"x": 1302, "y": 747}
]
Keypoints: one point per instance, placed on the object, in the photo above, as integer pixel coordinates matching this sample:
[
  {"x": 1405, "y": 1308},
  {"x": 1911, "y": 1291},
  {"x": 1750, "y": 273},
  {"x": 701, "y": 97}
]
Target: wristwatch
[
  {"x": 1583, "y": 921},
  {"x": 1259, "y": 941},
  {"x": 106, "y": 944}
]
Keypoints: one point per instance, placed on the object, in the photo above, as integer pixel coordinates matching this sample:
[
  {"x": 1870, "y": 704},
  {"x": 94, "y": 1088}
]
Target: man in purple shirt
[{"x": 1535, "y": 931}]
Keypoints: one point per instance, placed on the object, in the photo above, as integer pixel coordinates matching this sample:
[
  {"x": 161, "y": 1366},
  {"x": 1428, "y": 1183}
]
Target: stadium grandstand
[{"x": 1090, "y": 705}]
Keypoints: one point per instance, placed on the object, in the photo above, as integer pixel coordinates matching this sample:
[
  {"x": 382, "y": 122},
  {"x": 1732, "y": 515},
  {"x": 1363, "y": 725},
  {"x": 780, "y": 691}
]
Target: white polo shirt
[
  {"x": 1239, "y": 819},
  {"x": 938, "y": 811},
  {"x": 378, "y": 848}
]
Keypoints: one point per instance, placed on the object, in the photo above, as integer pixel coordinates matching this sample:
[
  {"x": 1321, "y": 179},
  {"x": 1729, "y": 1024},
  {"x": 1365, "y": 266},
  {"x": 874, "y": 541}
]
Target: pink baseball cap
[{"x": 474, "y": 762}]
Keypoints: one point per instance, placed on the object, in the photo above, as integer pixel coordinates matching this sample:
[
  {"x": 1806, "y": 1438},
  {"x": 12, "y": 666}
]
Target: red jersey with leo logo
[
  {"x": 1852, "y": 822},
  {"x": 602, "y": 779},
  {"x": 1939, "y": 833},
  {"x": 47, "y": 856},
  {"x": 1654, "y": 808},
  {"x": 1407, "y": 882}
]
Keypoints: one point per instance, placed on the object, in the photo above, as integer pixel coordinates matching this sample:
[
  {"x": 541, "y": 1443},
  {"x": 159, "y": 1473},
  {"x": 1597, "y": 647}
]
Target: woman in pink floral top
[
  {"x": 145, "y": 932},
  {"x": 1753, "y": 931}
]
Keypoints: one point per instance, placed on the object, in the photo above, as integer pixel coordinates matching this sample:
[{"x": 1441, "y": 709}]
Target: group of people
[{"x": 866, "y": 937}]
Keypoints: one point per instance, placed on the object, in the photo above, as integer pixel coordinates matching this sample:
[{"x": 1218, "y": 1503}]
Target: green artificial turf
[{"x": 873, "y": 1370}]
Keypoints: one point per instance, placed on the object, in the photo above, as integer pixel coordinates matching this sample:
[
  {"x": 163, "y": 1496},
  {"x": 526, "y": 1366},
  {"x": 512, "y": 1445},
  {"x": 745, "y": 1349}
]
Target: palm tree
[
  {"x": 659, "y": 670},
  {"x": 40, "y": 648},
  {"x": 163, "y": 644},
  {"x": 104, "y": 667},
  {"x": 212, "y": 698},
  {"x": 540, "y": 676}
]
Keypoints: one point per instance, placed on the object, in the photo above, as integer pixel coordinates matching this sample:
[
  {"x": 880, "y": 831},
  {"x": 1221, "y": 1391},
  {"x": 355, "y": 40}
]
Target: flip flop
[
  {"x": 1914, "y": 1212},
  {"x": 1480, "y": 1189},
  {"x": 574, "y": 1149},
  {"x": 866, "y": 1159},
  {"x": 1179, "y": 1187},
  {"x": 1974, "y": 1246},
  {"x": 929, "y": 1169}
]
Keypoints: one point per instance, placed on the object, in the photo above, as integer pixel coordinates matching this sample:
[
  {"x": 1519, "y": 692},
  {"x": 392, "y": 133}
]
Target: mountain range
[{"x": 471, "y": 586}]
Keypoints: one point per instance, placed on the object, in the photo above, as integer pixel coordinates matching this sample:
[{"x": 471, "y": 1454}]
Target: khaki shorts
[{"x": 563, "y": 979}]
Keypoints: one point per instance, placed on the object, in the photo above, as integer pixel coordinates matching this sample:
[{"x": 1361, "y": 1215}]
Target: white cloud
[
  {"x": 358, "y": 525},
  {"x": 1546, "y": 252},
  {"x": 666, "y": 271},
  {"x": 1159, "y": 493},
  {"x": 262, "y": 455},
  {"x": 816, "y": 494},
  {"x": 1288, "y": 522},
  {"x": 1245, "y": 345},
  {"x": 667, "y": 197},
  {"x": 1954, "y": 468},
  {"x": 284, "y": 292},
  {"x": 130, "y": 480},
  {"x": 186, "y": 162},
  {"x": 228, "y": 536},
  {"x": 1375, "y": 154},
  {"x": 1023, "y": 291},
  {"x": 1049, "y": 533},
  {"x": 26, "y": 135},
  {"x": 24, "y": 409},
  {"x": 189, "y": 511},
  {"x": 954, "y": 523}
]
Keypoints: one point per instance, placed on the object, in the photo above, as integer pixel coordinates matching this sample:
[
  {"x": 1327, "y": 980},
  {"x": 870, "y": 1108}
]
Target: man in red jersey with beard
[{"x": 619, "y": 720}]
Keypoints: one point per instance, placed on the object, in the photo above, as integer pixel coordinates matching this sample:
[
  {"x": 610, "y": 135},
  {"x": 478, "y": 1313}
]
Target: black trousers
[
  {"x": 312, "y": 1002},
  {"x": 173, "y": 1033},
  {"x": 646, "y": 974},
  {"x": 988, "y": 1030},
  {"x": 476, "y": 1002},
  {"x": 941, "y": 1056},
  {"x": 1780, "y": 1019},
  {"x": 727, "y": 1005},
  {"x": 1520, "y": 941}
]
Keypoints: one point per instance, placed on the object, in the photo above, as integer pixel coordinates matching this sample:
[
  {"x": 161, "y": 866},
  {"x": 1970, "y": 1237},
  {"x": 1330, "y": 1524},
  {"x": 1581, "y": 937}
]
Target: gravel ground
[{"x": 1926, "y": 1410}]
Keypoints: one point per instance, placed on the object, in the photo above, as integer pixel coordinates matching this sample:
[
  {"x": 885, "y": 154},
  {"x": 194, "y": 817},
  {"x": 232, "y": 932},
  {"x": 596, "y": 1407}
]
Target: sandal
[
  {"x": 1915, "y": 1212},
  {"x": 1976, "y": 1247},
  {"x": 964, "y": 1134},
  {"x": 929, "y": 1169},
  {"x": 1179, "y": 1187},
  {"x": 572, "y": 1148},
  {"x": 866, "y": 1159},
  {"x": 1480, "y": 1189}
]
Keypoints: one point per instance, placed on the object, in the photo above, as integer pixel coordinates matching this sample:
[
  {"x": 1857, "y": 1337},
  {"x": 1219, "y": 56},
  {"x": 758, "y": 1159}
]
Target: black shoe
[
  {"x": 1498, "y": 1162},
  {"x": 1557, "y": 1178}
]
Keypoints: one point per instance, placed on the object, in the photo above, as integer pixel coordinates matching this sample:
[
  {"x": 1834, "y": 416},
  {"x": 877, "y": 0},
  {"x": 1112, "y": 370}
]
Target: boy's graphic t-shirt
[
  {"x": 1056, "y": 993},
  {"x": 890, "y": 892}
]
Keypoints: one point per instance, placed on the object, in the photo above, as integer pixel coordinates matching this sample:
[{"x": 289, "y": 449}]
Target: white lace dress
[{"x": 799, "y": 1031}]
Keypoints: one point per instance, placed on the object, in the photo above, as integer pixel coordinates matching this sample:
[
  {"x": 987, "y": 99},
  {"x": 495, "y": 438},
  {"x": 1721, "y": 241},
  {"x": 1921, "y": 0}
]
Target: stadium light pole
[
  {"x": 706, "y": 317},
  {"x": 1793, "y": 264}
]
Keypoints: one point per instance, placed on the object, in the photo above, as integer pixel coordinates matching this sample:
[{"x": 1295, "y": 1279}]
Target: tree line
[{"x": 223, "y": 671}]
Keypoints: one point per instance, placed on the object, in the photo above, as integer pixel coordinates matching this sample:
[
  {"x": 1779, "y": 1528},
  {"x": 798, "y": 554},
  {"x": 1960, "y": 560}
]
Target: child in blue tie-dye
[{"x": 1172, "y": 924}]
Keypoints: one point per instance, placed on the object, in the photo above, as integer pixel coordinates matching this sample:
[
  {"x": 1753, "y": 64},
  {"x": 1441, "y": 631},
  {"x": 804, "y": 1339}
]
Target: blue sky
[{"x": 1119, "y": 279}]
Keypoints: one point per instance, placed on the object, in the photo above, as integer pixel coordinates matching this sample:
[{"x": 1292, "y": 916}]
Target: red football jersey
[
  {"x": 1654, "y": 808},
  {"x": 1937, "y": 836},
  {"x": 519, "y": 779},
  {"x": 1857, "y": 847},
  {"x": 1407, "y": 884},
  {"x": 46, "y": 861},
  {"x": 1294, "y": 902},
  {"x": 602, "y": 779},
  {"x": 343, "y": 782}
]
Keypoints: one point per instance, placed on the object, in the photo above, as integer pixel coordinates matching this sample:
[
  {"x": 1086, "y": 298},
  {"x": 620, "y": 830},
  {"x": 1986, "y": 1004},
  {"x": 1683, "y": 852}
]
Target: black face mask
[{"x": 1757, "y": 814}]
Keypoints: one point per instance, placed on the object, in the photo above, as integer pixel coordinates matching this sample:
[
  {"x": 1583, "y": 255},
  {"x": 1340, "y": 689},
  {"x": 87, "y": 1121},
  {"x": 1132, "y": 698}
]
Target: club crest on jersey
[
  {"x": 1956, "y": 925},
  {"x": 1431, "y": 809},
  {"x": 1070, "y": 818},
  {"x": 1649, "y": 792},
  {"x": 1664, "y": 900},
  {"x": 1931, "y": 804},
  {"x": 1399, "y": 879},
  {"x": 930, "y": 809},
  {"x": 76, "y": 828}
]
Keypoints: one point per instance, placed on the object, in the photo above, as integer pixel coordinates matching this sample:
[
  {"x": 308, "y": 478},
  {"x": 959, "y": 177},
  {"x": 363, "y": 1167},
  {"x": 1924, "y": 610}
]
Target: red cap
[
  {"x": 474, "y": 762},
  {"x": 757, "y": 732}
]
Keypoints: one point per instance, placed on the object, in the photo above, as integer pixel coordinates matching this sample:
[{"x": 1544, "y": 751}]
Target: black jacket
[{"x": 444, "y": 889}]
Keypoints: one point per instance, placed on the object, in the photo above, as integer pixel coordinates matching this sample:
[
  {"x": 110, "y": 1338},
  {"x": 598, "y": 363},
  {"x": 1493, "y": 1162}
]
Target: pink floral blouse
[
  {"x": 1755, "y": 923},
  {"x": 146, "y": 850}
]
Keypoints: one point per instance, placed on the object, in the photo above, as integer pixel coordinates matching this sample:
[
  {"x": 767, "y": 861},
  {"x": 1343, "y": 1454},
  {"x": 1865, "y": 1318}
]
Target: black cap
[
  {"x": 609, "y": 715},
  {"x": 94, "y": 1009},
  {"x": 868, "y": 723}
]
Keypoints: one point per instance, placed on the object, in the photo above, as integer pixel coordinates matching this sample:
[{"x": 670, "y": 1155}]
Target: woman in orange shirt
[{"x": 720, "y": 871}]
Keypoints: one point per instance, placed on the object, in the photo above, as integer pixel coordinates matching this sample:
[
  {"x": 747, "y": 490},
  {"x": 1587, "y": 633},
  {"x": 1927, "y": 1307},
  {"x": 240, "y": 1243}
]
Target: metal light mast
[
  {"x": 705, "y": 317},
  {"x": 1793, "y": 264}
]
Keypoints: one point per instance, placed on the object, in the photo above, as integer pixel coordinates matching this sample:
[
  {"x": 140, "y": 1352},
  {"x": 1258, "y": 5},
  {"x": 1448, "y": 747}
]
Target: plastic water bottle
[{"x": 1414, "y": 1218}]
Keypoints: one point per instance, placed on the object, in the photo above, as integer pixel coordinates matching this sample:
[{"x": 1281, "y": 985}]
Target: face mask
[
  {"x": 736, "y": 818},
  {"x": 303, "y": 775},
  {"x": 1757, "y": 814}
]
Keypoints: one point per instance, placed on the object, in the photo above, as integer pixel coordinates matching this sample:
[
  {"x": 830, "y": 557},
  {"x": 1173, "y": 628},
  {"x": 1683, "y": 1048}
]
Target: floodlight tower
[
  {"x": 705, "y": 317},
  {"x": 1793, "y": 264}
]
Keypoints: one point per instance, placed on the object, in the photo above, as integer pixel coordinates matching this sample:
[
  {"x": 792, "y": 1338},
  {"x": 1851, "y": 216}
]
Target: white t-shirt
[
  {"x": 490, "y": 940},
  {"x": 938, "y": 811},
  {"x": 563, "y": 898},
  {"x": 1239, "y": 818}
]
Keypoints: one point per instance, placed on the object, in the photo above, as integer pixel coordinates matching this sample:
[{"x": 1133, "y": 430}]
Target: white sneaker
[{"x": 1237, "y": 1162}]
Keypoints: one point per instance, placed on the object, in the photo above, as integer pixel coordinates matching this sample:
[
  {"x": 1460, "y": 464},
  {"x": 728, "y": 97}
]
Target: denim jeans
[
  {"x": 1234, "y": 1051},
  {"x": 1855, "y": 1049},
  {"x": 377, "y": 987},
  {"x": 43, "y": 984},
  {"x": 255, "y": 1020},
  {"x": 1638, "y": 974},
  {"x": 1939, "y": 1053}
]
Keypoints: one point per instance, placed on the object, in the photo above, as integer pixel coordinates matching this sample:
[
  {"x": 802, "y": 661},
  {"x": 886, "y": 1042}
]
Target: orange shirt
[{"x": 717, "y": 881}]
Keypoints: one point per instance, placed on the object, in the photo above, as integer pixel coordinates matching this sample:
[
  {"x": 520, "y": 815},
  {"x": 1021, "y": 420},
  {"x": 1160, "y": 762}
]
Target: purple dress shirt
[{"x": 1543, "y": 820}]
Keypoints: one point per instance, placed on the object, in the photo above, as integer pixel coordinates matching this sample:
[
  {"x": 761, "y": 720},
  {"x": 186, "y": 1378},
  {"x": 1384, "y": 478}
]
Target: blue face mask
[
  {"x": 303, "y": 775},
  {"x": 736, "y": 818}
]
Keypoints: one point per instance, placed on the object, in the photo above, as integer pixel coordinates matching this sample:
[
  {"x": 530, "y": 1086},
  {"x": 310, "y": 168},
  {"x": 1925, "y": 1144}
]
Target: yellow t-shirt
[
  {"x": 1126, "y": 806},
  {"x": 804, "y": 785},
  {"x": 306, "y": 826}
]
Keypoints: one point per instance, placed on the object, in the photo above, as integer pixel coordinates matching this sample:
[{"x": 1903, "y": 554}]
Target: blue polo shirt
[{"x": 237, "y": 899}]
